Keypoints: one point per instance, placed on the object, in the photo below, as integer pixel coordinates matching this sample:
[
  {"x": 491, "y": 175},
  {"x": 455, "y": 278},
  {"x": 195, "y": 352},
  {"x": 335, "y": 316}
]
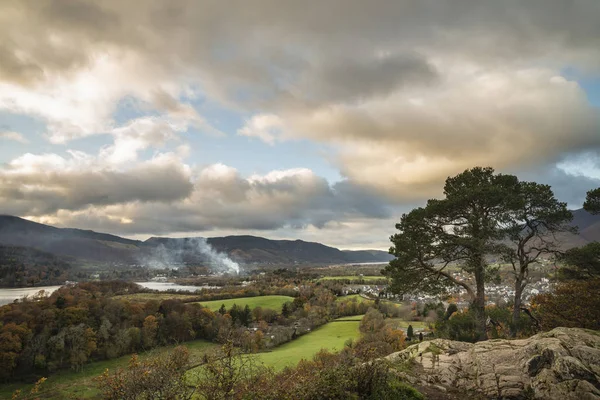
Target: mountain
[
  {"x": 589, "y": 225},
  {"x": 78, "y": 243},
  {"x": 254, "y": 249},
  {"x": 102, "y": 247}
]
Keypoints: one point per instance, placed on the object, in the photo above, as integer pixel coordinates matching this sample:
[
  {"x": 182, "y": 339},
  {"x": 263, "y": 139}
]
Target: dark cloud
[{"x": 45, "y": 191}]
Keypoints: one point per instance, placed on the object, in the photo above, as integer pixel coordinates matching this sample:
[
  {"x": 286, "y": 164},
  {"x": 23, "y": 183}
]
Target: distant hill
[
  {"x": 254, "y": 249},
  {"x": 25, "y": 266},
  {"x": 84, "y": 244},
  {"x": 102, "y": 247},
  {"x": 589, "y": 225}
]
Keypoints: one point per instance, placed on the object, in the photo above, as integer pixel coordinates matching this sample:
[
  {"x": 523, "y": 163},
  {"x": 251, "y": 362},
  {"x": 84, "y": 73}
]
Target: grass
[
  {"x": 402, "y": 323},
  {"x": 350, "y": 297},
  {"x": 367, "y": 278},
  {"x": 331, "y": 336},
  {"x": 70, "y": 384},
  {"x": 272, "y": 302},
  {"x": 351, "y": 318}
]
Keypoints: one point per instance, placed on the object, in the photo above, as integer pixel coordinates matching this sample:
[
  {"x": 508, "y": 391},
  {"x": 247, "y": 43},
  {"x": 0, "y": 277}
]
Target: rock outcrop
[{"x": 561, "y": 364}]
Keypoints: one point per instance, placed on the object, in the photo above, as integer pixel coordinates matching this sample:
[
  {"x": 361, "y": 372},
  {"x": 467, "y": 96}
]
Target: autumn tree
[
  {"x": 572, "y": 304},
  {"x": 461, "y": 229},
  {"x": 533, "y": 220},
  {"x": 223, "y": 371},
  {"x": 158, "y": 378}
]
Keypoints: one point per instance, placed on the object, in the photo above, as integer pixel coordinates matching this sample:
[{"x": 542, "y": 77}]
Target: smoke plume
[{"x": 174, "y": 253}]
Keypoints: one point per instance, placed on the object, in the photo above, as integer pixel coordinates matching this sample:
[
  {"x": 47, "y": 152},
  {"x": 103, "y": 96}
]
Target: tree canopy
[
  {"x": 592, "y": 201},
  {"x": 482, "y": 215}
]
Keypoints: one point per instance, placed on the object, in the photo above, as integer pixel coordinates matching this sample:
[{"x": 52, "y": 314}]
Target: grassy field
[
  {"x": 331, "y": 336},
  {"x": 401, "y": 323},
  {"x": 69, "y": 384},
  {"x": 354, "y": 278},
  {"x": 350, "y": 297},
  {"x": 272, "y": 302}
]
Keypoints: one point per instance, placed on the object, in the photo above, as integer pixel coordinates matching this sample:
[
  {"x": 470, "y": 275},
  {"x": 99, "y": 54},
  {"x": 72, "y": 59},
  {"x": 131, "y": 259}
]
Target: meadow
[
  {"x": 353, "y": 297},
  {"x": 272, "y": 302},
  {"x": 330, "y": 336},
  {"x": 69, "y": 384}
]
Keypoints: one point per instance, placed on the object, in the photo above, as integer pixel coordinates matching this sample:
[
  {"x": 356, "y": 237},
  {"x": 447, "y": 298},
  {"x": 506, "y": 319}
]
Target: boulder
[{"x": 561, "y": 364}]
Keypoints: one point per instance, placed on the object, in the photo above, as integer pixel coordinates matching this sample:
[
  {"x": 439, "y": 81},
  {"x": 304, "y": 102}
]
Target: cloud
[
  {"x": 409, "y": 141},
  {"x": 14, "y": 136},
  {"x": 159, "y": 197},
  {"x": 44, "y": 184},
  {"x": 404, "y": 93}
]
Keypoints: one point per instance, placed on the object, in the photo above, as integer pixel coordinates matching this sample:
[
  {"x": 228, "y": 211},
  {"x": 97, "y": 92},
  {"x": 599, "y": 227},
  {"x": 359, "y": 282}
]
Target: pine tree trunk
[
  {"x": 479, "y": 304},
  {"x": 517, "y": 307}
]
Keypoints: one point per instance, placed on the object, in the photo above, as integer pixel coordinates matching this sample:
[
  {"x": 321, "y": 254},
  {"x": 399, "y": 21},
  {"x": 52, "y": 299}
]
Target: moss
[
  {"x": 397, "y": 390},
  {"x": 433, "y": 349}
]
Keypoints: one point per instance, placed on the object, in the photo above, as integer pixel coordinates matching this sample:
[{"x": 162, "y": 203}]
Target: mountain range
[
  {"x": 90, "y": 246},
  {"x": 106, "y": 248}
]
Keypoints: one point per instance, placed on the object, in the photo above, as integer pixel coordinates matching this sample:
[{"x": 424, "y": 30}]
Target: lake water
[{"x": 10, "y": 295}]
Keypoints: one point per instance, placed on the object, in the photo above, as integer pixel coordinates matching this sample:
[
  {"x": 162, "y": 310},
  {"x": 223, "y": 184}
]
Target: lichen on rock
[{"x": 561, "y": 364}]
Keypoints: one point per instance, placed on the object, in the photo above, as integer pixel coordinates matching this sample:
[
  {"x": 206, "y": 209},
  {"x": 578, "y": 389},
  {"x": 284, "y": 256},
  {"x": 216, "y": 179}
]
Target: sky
[{"x": 314, "y": 120}]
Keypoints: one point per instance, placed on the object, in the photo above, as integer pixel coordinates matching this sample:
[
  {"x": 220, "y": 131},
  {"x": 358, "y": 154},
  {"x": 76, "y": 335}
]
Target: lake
[{"x": 9, "y": 295}]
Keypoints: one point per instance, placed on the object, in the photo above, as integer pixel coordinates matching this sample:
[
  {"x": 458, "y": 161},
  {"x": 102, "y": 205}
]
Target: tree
[
  {"x": 246, "y": 316},
  {"x": 452, "y": 308},
  {"x": 592, "y": 201},
  {"x": 409, "y": 332},
  {"x": 158, "y": 378},
  {"x": 460, "y": 230},
  {"x": 581, "y": 262},
  {"x": 535, "y": 216},
  {"x": 222, "y": 310},
  {"x": 224, "y": 371},
  {"x": 571, "y": 304}
]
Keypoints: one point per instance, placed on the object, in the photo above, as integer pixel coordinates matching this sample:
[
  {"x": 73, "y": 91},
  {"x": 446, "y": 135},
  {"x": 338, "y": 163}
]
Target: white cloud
[
  {"x": 14, "y": 136},
  {"x": 266, "y": 127}
]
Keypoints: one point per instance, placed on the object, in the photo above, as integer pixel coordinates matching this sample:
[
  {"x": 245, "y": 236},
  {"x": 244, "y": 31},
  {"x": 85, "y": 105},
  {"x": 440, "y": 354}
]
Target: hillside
[
  {"x": 24, "y": 266},
  {"x": 107, "y": 248},
  {"x": 76, "y": 243},
  {"x": 253, "y": 249},
  {"x": 589, "y": 225}
]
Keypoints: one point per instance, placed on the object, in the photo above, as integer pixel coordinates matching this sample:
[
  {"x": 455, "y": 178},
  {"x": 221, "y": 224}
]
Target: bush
[
  {"x": 395, "y": 389},
  {"x": 574, "y": 304}
]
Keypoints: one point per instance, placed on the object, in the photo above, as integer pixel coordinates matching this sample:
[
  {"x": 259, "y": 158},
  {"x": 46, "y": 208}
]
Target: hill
[
  {"x": 254, "y": 249},
  {"x": 78, "y": 243},
  {"x": 589, "y": 225},
  {"x": 24, "y": 266},
  {"x": 107, "y": 248}
]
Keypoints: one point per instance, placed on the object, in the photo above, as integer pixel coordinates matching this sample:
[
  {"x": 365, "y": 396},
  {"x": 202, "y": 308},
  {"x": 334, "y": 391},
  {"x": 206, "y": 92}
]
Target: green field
[
  {"x": 352, "y": 297},
  {"x": 331, "y": 336},
  {"x": 401, "y": 323},
  {"x": 272, "y": 302},
  {"x": 79, "y": 385},
  {"x": 354, "y": 278}
]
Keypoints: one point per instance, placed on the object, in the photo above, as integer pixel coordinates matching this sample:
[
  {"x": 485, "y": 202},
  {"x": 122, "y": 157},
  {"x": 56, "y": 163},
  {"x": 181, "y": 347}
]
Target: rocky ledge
[{"x": 561, "y": 364}]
